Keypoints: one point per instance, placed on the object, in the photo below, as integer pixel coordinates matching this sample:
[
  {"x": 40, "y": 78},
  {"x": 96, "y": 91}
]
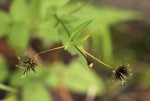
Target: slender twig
[
  {"x": 101, "y": 62},
  {"x": 48, "y": 51}
]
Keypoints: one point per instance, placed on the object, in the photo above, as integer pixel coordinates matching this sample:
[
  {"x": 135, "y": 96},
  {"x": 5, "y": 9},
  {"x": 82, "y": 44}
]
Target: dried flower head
[
  {"x": 27, "y": 63},
  {"x": 122, "y": 73}
]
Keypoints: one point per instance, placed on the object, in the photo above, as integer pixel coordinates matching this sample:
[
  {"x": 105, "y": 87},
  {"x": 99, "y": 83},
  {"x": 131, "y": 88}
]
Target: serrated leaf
[
  {"x": 18, "y": 10},
  {"x": 83, "y": 39},
  {"x": 35, "y": 92},
  {"x": 78, "y": 30}
]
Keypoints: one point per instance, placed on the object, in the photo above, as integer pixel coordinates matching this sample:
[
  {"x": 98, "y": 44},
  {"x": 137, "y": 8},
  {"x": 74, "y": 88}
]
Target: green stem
[
  {"x": 7, "y": 88},
  {"x": 88, "y": 61},
  {"x": 59, "y": 20},
  {"x": 101, "y": 62}
]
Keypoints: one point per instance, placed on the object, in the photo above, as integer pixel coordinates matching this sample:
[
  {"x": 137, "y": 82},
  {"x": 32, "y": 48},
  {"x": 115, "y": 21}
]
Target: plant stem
[
  {"x": 59, "y": 20},
  {"x": 68, "y": 33},
  {"x": 88, "y": 61},
  {"x": 49, "y": 50},
  {"x": 7, "y": 88},
  {"x": 101, "y": 62}
]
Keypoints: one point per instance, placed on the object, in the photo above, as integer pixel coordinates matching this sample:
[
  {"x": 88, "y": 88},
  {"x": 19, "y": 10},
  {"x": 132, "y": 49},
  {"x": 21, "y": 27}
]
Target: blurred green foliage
[
  {"x": 35, "y": 18},
  {"x": 4, "y": 69}
]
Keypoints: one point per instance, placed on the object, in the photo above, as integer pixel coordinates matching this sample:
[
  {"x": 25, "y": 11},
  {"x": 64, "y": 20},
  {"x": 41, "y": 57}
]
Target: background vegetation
[{"x": 115, "y": 36}]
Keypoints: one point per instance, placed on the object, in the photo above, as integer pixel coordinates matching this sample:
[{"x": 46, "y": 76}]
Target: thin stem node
[{"x": 101, "y": 62}]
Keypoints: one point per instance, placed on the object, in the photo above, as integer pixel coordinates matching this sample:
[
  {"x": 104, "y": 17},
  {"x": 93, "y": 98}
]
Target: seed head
[
  {"x": 122, "y": 73},
  {"x": 27, "y": 63}
]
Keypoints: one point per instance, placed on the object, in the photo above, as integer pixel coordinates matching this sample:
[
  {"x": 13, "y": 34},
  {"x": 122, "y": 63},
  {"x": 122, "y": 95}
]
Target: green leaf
[
  {"x": 70, "y": 8},
  {"x": 54, "y": 76},
  {"x": 18, "y": 10},
  {"x": 35, "y": 92},
  {"x": 34, "y": 9},
  {"x": 12, "y": 97},
  {"x": 83, "y": 39},
  {"x": 4, "y": 23},
  {"x": 47, "y": 32},
  {"x": 3, "y": 69},
  {"x": 16, "y": 76},
  {"x": 30, "y": 77},
  {"x": 44, "y": 7},
  {"x": 104, "y": 16},
  {"x": 19, "y": 37},
  {"x": 80, "y": 80},
  {"x": 101, "y": 25},
  {"x": 35, "y": 13},
  {"x": 106, "y": 44},
  {"x": 78, "y": 30},
  {"x": 58, "y": 3},
  {"x": 64, "y": 38},
  {"x": 77, "y": 78},
  {"x": 72, "y": 50}
]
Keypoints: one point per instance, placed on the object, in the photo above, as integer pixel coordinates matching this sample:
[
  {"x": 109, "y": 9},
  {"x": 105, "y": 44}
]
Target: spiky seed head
[
  {"x": 122, "y": 73},
  {"x": 27, "y": 63}
]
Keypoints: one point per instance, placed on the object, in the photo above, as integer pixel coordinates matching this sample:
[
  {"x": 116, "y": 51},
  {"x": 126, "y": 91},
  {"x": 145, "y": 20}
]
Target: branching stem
[
  {"x": 101, "y": 62},
  {"x": 80, "y": 49},
  {"x": 68, "y": 33}
]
